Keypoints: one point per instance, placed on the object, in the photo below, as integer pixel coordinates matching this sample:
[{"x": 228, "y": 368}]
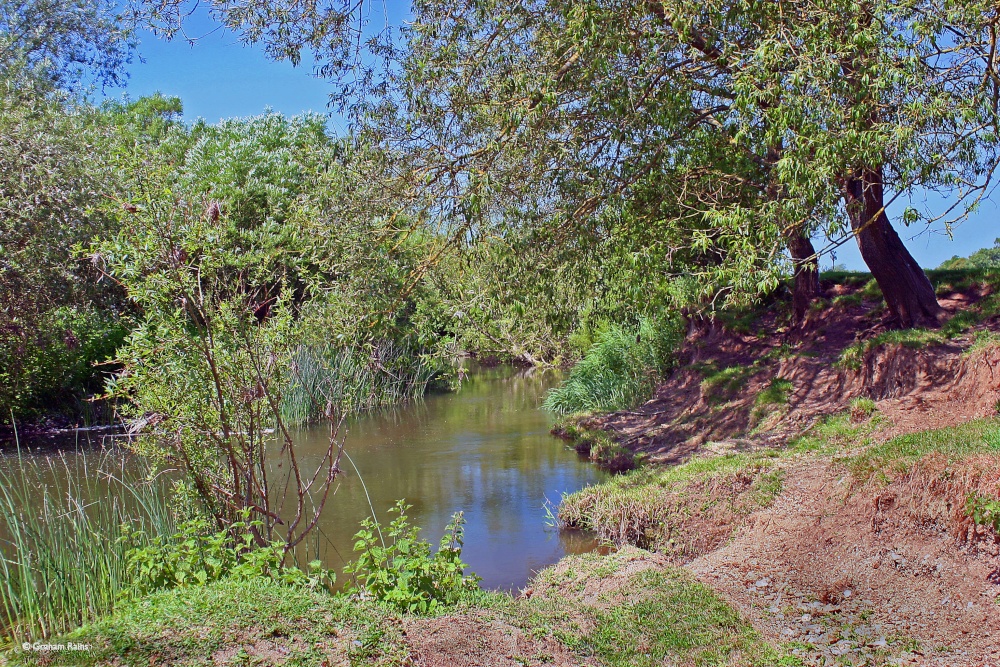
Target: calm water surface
[{"x": 484, "y": 450}]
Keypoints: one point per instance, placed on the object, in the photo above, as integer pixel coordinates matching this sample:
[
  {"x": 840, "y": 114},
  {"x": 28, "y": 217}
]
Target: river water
[{"x": 484, "y": 450}]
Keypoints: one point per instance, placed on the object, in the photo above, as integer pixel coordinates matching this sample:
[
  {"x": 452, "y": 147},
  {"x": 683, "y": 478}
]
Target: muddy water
[{"x": 484, "y": 450}]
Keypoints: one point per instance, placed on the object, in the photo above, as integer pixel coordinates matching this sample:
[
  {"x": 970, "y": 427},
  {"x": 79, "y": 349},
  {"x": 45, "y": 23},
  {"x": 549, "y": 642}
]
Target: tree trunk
[
  {"x": 806, "y": 286},
  {"x": 907, "y": 290}
]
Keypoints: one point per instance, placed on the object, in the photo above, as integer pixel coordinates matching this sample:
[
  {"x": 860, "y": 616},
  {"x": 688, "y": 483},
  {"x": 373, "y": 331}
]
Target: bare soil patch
[
  {"x": 479, "y": 639},
  {"x": 941, "y": 384},
  {"x": 849, "y": 577}
]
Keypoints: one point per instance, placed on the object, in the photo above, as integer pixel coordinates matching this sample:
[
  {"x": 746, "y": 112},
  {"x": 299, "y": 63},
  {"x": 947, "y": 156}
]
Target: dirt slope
[
  {"x": 935, "y": 384},
  {"x": 851, "y": 580}
]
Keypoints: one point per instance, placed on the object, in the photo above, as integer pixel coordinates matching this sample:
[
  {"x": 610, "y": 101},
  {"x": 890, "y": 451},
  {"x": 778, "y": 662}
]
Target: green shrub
[
  {"x": 396, "y": 567},
  {"x": 196, "y": 555},
  {"x": 53, "y": 368},
  {"x": 983, "y": 511},
  {"x": 620, "y": 369}
]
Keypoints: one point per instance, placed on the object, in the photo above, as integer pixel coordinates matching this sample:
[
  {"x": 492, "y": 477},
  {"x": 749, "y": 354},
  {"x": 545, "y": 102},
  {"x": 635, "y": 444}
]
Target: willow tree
[
  {"x": 740, "y": 129},
  {"x": 762, "y": 123},
  {"x": 878, "y": 102},
  {"x": 66, "y": 43}
]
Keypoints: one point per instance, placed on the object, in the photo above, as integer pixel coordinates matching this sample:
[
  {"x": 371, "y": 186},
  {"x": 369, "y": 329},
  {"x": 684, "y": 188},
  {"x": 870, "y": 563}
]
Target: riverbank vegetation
[
  {"x": 635, "y": 191},
  {"x": 661, "y": 615},
  {"x": 63, "y": 562}
]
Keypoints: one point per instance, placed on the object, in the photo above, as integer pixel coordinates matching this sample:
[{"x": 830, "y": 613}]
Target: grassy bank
[
  {"x": 646, "y": 614},
  {"x": 689, "y": 509},
  {"x": 680, "y": 510}
]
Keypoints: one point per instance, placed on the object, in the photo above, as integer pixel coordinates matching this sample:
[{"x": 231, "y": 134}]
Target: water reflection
[{"x": 486, "y": 451}]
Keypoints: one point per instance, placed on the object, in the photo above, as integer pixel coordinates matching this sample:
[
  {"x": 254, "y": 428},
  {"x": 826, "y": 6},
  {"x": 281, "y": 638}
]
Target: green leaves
[
  {"x": 397, "y": 567},
  {"x": 196, "y": 555}
]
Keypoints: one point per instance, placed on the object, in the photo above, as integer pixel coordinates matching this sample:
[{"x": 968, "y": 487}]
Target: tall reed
[
  {"x": 620, "y": 369},
  {"x": 355, "y": 380},
  {"x": 61, "y": 562}
]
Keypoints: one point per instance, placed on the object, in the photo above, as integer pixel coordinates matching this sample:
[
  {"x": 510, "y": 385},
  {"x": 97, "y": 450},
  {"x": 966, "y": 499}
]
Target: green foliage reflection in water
[{"x": 620, "y": 369}]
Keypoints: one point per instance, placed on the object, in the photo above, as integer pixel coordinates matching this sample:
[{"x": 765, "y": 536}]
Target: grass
[
  {"x": 849, "y": 278},
  {"x": 770, "y": 404},
  {"x": 61, "y": 563},
  {"x": 242, "y": 622},
  {"x": 862, "y": 408},
  {"x": 848, "y": 300},
  {"x": 776, "y": 393},
  {"x": 719, "y": 386},
  {"x": 837, "y": 433},
  {"x": 655, "y": 616},
  {"x": 620, "y": 369},
  {"x": 898, "y": 455},
  {"x": 601, "y": 449},
  {"x": 649, "y": 506},
  {"x": 983, "y": 340},
  {"x": 648, "y": 617},
  {"x": 853, "y": 356},
  {"x": 871, "y": 290}
]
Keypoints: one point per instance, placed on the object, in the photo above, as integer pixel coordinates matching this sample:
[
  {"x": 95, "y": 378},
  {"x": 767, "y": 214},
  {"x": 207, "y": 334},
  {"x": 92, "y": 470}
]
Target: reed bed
[
  {"x": 61, "y": 561},
  {"x": 621, "y": 368},
  {"x": 355, "y": 380}
]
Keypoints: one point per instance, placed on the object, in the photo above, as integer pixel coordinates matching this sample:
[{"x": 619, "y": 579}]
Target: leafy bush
[
  {"x": 51, "y": 366},
  {"x": 195, "y": 555},
  {"x": 620, "y": 369},
  {"x": 396, "y": 567},
  {"x": 984, "y": 511}
]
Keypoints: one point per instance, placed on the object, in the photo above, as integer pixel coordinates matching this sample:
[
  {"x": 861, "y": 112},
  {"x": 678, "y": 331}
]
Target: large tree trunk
[
  {"x": 908, "y": 292},
  {"x": 806, "y": 286}
]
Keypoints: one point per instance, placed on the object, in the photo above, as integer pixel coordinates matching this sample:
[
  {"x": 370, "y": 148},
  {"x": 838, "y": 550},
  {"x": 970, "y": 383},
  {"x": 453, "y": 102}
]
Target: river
[{"x": 484, "y": 450}]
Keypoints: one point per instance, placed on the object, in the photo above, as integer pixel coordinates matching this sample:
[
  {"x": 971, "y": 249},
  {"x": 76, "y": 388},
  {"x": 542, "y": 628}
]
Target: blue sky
[{"x": 218, "y": 77}]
